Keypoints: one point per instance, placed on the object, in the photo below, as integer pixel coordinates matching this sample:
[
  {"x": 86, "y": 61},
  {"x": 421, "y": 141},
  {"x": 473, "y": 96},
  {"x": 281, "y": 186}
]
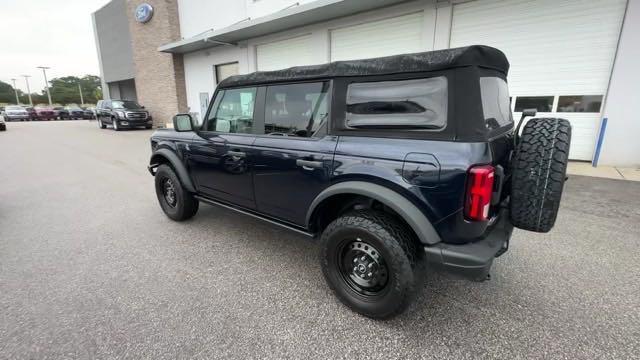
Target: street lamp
[
  {"x": 15, "y": 90},
  {"x": 81, "y": 98},
  {"x": 46, "y": 82},
  {"x": 26, "y": 79}
]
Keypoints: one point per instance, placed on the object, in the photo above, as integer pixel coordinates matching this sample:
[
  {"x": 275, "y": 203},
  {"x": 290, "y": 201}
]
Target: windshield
[{"x": 119, "y": 104}]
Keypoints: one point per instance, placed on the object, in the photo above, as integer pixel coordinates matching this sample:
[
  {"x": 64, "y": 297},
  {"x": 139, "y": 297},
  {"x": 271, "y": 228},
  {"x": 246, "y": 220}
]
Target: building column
[{"x": 159, "y": 77}]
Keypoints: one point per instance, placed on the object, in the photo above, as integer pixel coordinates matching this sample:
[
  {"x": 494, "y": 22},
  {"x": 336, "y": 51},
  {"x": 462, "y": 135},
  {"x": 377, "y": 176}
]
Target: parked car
[
  {"x": 75, "y": 112},
  {"x": 15, "y": 113},
  {"x": 389, "y": 162},
  {"x": 90, "y": 113},
  {"x": 3, "y": 125},
  {"x": 122, "y": 114},
  {"x": 60, "y": 113},
  {"x": 32, "y": 113},
  {"x": 44, "y": 113}
]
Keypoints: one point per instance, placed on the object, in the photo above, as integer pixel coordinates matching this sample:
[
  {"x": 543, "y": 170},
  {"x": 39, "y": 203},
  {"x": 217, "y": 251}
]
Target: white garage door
[
  {"x": 285, "y": 53},
  {"x": 561, "y": 53},
  {"x": 398, "y": 35}
]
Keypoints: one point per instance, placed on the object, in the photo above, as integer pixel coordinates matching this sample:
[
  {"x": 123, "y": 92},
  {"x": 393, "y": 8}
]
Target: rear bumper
[{"x": 472, "y": 260}]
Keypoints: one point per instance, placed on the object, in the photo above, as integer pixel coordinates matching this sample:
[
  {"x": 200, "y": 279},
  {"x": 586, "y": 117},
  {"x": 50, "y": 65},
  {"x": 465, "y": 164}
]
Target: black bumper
[{"x": 472, "y": 260}]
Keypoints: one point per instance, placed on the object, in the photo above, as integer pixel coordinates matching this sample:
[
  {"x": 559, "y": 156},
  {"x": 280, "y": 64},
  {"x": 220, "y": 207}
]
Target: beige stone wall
[{"x": 159, "y": 77}]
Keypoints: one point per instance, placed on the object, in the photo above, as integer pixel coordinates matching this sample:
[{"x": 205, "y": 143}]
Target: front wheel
[
  {"x": 176, "y": 202},
  {"x": 114, "y": 122},
  {"x": 369, "y": 260}
]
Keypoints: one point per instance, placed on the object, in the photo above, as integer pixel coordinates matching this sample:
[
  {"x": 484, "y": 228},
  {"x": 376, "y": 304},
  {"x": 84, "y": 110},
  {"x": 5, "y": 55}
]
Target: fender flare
[
  {"x": 406, "y": 209},
  {"x": 177, "y": 165}
]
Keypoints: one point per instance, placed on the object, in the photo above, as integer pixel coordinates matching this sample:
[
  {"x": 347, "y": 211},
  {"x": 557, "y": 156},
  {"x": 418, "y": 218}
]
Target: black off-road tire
[
  {"x": 186, "y": 206},
  {"x": 539, "y": 173},
  {"x": 397, "y": 246}
]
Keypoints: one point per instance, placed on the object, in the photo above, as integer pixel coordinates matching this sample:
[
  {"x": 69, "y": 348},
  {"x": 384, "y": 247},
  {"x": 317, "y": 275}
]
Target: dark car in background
[
  {"x": 90, "y": 113},
  {"x": 60, "y": 113},
  {"x": 122, "y": 114},
  {"x": 32, "y": 113},
  {"x": 75, "y": 112},
  {"x": 44, "y": 113},
  {"x": 15, "y": 113}
]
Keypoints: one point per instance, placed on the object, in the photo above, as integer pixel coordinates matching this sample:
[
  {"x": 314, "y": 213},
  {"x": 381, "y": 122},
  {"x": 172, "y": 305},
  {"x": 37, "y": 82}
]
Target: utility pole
[
  {"x": 26, "y": 78},
  {"x": 46, "y": 82},
  {"x": 15, "y": 90},
  {"x": 81, "y": 99}
]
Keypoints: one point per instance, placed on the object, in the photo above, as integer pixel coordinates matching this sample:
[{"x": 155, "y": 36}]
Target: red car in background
[{"x": 45, "y": 113}]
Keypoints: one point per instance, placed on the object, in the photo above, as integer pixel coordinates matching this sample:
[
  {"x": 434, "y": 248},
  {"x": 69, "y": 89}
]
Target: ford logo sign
[{"x": 144, "y": 12}]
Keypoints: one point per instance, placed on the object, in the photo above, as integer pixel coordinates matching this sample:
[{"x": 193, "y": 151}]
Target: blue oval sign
[{"x": 144, "y": 12}]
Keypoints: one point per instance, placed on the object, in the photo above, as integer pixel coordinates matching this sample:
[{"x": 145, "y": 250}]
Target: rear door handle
[
  {"x": 239, "y": 154},
  {"x": 309, "y": 165}
]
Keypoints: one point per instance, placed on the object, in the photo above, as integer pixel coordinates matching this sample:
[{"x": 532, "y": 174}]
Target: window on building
[
  {"x": 495, "y": 102},
  {"x": 580, "y": 103},
  {"x": 234, "y": 111},
  {"x": 296, "y": 109},
  {"x": 223, "y": 71},
  {"x": 540, "y": 103},
  {"x": 405, "y": 104}
]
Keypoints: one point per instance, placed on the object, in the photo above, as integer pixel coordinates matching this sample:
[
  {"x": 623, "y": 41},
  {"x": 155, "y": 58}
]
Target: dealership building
[{"x": 576, "y": 59}]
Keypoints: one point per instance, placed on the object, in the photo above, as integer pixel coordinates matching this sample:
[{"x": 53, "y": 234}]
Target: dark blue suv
[{"x": 392, "y": 163}]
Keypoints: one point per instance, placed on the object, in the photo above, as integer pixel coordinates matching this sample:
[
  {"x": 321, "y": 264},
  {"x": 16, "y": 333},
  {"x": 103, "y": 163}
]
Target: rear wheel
[
  {"x": 539, "y": 172},
  {"x": 176, "y": 202},
  {"x": 101, "y": 125},
  {"x": 369, "y": 260}
]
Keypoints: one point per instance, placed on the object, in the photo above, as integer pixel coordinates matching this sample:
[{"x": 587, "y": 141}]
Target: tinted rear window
[
  {"x": 495, "y": 102},
  {"x": 403, "y": 104}
]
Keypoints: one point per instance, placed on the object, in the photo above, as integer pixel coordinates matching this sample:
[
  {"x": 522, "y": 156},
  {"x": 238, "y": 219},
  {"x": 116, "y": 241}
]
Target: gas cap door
[{"x": 421, "y": 169}]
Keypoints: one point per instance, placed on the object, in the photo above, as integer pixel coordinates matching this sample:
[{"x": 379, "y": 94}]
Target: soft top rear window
[
  {"x": 402, "y": 104},
  {"x": 495, "y": 102}
]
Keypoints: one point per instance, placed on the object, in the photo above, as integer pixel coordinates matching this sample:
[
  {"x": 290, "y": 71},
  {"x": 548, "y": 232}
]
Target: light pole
[
  {"x": 46, "y": 82},
  {"x": 15, "y": 90},
  {"x": 26, "y": 79},
  {"x": 81, "y": 99}
]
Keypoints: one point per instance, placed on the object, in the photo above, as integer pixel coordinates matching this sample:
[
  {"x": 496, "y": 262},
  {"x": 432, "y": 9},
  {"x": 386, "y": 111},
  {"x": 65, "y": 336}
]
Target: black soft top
[{"x": 475, "y": 55}]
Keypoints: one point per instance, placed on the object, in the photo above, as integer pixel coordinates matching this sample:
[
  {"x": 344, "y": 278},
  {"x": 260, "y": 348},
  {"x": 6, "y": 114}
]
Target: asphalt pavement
[{"x": 90, "y": 267}]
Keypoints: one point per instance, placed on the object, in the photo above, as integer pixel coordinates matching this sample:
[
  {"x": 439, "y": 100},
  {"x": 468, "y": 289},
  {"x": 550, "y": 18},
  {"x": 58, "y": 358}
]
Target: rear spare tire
[{"x": 539, "y": 172}]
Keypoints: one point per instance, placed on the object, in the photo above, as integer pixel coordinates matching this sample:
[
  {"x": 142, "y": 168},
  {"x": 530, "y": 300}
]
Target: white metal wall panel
[
  {"x": 555, "y": 47},
  {"x": 285, "y": 53},
  {"x": 398, "y": 35}
]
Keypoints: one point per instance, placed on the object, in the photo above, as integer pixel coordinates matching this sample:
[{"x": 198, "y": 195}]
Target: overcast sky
[{"x": 54, "y": 33}]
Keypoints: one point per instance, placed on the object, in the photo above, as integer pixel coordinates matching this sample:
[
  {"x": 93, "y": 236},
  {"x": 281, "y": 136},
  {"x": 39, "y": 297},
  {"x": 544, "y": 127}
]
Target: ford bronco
[{"x": 391, "y": 163}]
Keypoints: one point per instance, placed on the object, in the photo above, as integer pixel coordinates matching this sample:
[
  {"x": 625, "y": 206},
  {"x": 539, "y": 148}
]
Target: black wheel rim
[
  {"x": 363, "y": 268},
  {"x": 169, "y": 192}
]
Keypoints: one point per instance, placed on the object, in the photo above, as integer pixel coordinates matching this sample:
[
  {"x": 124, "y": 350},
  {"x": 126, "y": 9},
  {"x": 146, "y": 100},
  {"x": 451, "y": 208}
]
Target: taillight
[{"x": 479, "y": 191}]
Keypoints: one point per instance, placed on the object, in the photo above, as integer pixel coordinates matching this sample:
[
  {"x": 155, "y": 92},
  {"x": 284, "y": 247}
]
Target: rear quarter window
[
  {"x": 402, "y": 104},
  {"x": 495, "y": 102}
]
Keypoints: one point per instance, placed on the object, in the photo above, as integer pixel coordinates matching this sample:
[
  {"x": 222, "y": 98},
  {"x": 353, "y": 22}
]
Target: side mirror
[
  {"x": 182, "y": 122},
  {"x": 529, "y": 112}
]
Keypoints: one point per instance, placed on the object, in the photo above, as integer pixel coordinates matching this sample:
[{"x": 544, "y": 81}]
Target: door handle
[
  {"x": 239, "y": 154},
  {"x": 309, "y": 165}
]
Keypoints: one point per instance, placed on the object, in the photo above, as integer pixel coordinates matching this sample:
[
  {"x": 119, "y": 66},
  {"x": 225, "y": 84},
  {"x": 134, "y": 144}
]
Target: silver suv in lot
[{"x": 15, "y": 112}]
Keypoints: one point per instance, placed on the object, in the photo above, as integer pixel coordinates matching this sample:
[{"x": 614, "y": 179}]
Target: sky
[{"x": 54, "y": 33}]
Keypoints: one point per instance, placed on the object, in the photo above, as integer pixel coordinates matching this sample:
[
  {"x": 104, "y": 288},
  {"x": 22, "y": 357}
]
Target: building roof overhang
[{"x": 292, "y": 17}]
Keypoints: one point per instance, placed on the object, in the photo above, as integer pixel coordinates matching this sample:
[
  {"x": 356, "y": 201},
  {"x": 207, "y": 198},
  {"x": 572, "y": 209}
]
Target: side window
[
  {"x": 106, "y": 104},
  {"x": 233, "y": 112},
  {"x": 404, "y": 104},
  {"x": 296, "y": 109}
]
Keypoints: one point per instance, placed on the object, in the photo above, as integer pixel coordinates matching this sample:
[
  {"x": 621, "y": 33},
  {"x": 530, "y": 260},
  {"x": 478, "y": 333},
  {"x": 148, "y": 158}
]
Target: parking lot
[{"x": 90, "y": 267}]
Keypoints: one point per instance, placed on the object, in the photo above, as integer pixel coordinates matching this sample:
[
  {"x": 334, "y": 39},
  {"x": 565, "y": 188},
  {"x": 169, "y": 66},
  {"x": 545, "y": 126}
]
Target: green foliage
[{"x": 63, "y": 90}]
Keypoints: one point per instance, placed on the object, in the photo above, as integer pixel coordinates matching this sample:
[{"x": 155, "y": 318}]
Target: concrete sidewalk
[{"x": 609, "y": 172}]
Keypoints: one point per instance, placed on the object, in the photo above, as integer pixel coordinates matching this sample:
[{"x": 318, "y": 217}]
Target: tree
[
  {"x": 6, "y": 93},
  {"x": 64, "y": 90}
]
